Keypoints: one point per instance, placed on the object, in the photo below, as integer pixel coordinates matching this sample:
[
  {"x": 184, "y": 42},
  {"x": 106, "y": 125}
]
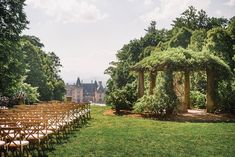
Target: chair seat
[
  {"x": 54, "y": 127},
  {"x": 2, "y": 143},
  {"x": 12, "y": 135},
  {"x": 18, "y": 143},
  {"x": 35, "y": 136},
  {"x": 47, "y": 132}
]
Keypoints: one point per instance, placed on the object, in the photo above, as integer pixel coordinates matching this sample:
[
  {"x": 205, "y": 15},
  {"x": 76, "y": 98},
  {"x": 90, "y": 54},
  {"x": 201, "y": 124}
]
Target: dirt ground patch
[{"x": 190, "y": 116}]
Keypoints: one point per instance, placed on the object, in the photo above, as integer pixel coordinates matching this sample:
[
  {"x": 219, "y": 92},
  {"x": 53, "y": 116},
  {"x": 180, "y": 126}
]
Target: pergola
[{"x": 186, "y": 61}]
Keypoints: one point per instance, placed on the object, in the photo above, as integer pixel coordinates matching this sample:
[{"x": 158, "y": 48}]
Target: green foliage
[
  {"x": 122, "y": 98},
  {"x": 22, "y": 57},
  {"x": 224, "y": 96},
  {"x": 122, "y": 82},
  {"x": 231, "y": 28},
  {"x": 197, "y": 40},
  {"x": 198, "y": 81},
  {"x": 13, "y": 19},
  {"x": 162, "y": 46},
  {"x": 164, "y": 99},
  {"x": 59, "y": 90},
  {"x": 147, "y": 51},
  {"x": 183, "y": 59},
  {"x": 193, "y": 19},
  {"x": 198, "y": 99},
  {"x": 11, "y": 65},
  {"x": 219, "y": 42},
  {"x": 182, "y": 38},
  {"x": 207, "y": 43},
  {"x": 189, "y": 19},
  {"x": 43, "y": 69},
  {"x": 31, "y": 94}
]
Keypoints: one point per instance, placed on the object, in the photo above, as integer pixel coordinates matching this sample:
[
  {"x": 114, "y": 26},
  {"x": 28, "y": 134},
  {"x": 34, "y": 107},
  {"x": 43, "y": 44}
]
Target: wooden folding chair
[
  {"x": 2, "y": 144},
  {"x": 14, "y": 140}
]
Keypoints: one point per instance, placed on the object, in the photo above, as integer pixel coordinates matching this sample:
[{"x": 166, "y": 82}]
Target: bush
[
  {"x": 198, "y": 99},
  {"x": 159, "y": 104},
  {"x": 224, "y": 96},
  {"x": 123, "y": 98},
  {"x": 23, "y": 93},
  {"x": 163, "y": 101}
]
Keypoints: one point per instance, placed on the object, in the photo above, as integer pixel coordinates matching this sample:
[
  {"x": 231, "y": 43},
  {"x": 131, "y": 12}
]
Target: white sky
[{"x": 86, "y": 34}]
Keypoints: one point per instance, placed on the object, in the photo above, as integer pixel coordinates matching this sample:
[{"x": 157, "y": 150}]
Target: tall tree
[
  {"x": 219, "y": 42},
  {"x": 197, "y": 40},
  {"x": 12, "y": 22},
  {"x": 13, "y": 19},
  {"x": 43, "y": 69},
  {"x": 152, "y": 27},
  {"x": 193, "y": 19},
  {"x": 182, "y": 38}
]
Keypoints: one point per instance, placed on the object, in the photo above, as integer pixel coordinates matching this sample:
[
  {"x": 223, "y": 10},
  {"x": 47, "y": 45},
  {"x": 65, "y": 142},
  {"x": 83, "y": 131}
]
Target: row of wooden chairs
[{"x": 32, "y": 126}]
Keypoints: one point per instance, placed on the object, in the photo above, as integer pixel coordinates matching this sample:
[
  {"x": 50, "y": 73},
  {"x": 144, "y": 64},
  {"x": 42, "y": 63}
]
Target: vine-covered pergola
[{"x": 186, "y": 61}]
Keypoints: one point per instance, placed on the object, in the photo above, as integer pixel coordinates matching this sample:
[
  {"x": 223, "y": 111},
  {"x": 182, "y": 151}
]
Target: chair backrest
[{"x": 11, "y": 135}]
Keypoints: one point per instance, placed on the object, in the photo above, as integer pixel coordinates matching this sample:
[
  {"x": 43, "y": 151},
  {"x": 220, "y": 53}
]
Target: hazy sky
[{"x": 86, "y": 34}]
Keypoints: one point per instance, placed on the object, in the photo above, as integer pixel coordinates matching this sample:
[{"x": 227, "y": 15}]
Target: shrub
[
  {"x": 163, "y": 101},
  {"x": 123, "y": 98},
  {"x": 198, "y": 99}
]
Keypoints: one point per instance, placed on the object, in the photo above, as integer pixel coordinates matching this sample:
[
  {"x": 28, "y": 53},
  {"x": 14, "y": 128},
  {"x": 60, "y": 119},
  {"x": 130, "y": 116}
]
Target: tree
[
  {"x": 219, "y": 42},
  {"x": 193, "y": 19},
  {"x": 43, "y": 69},
  {"x": 197, "y": 40},
  {"x": 152, "y": 27},
  {"x": 59, "y": 90},
  {"x": 182, "y": 38},
  {"x": 12, "y": 68},
  {"x": 188, "y": 19},
  {"x": 24, "y": 66},
  {"x": 214, "y": 22},
  {"x": 231, "y": 29},
  {"x": 13, "y": 19}
]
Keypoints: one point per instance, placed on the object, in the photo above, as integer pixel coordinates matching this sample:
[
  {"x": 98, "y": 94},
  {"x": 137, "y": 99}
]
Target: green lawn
[{"x": 124, "y": 136}]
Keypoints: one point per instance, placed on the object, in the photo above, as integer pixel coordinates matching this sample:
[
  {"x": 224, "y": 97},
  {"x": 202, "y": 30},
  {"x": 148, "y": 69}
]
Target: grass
[{"x": 125, "y": 136}]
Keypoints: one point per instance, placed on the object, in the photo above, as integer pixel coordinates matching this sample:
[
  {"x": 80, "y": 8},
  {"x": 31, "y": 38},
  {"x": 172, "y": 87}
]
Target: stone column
[
  {"x": 141, "y": 84},
  {"x": 187, "y": 88},
  {"x": 152, "y": 77},
  {"x": 186, "y": 91},
  {"x": 209, "y": 91}
]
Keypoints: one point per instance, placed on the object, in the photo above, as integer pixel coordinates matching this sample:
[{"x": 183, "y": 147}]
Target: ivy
[{"x": 180, "y": 59}]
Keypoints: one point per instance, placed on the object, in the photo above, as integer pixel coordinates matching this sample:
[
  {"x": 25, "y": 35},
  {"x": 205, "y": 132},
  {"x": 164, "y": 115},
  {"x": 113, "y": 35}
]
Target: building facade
[{"x": 86, "y": 92}]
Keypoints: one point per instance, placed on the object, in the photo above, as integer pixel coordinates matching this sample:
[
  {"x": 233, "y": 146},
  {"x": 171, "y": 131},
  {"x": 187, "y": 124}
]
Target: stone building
[{"x": 85, "y": 92}]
